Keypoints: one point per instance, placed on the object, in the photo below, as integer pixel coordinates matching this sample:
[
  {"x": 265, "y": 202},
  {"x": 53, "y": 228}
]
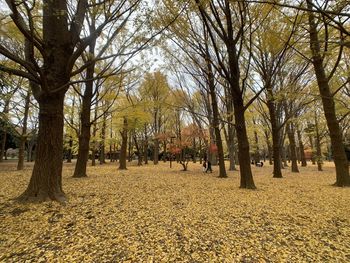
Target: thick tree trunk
[
  {"x": 46, "y": 180},
  {"x": 292, "y": 146},
  {"x": 23, "y": 138},
  {"x": 124, "y": 147},
  {"x": 340, "y": 160},
  {"x": 301, "y": 149}
]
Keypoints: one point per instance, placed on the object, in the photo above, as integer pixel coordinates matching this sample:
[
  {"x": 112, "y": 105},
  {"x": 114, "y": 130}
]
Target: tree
[
  {"x": 155, "y": 90},
  {"x": 56, "y": 39},
  {"x": 340, "y": 160}
]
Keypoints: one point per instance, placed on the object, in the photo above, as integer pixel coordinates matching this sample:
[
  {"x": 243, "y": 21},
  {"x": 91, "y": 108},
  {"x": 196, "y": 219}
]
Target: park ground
[{"x": 157, "y": 214}]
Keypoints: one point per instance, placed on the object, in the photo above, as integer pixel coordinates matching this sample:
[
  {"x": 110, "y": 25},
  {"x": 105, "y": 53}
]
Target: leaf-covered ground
[{"x": 157, "y": 214}]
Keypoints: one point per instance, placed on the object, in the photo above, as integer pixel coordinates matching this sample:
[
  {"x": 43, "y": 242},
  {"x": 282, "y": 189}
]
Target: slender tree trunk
[
  {"x": 231, "y": 147},
  {"x": 216, "y": 124},
  {"x": 3, "y": 144},
  {"x": 130, "y": 146},
  {"x": 94, "y": 143},
  {"x": 46, "y": 180},
  {"x": 23, "y": 138},
  {"x": 4, "y": 132},
  {"x": 318, "y": 145},
  {"x": 247, "y": 180},
  {"x": 156, "y": 151},
  {"x": 103, "y": 140},
  {"x": 84, "y": 136},
  {"x": 139, "y": 157},
  {"x": 340, "y": 160},
  {"x": 292, "y": 146},
  {"x": 313, "y": 152},
  {"x": 70, "y": 153},
  {"x": 276, "y": 145},
  {"x": 124, "y": 147},
  {"x": 283, "y": 156},
  {"x": 257, "y": 151},
  {"x": 84, "y": 146},
  {"x": 269, "y": 147},
  {"x": 30, "y": 151},
  {"x": 301, "y": 149}
]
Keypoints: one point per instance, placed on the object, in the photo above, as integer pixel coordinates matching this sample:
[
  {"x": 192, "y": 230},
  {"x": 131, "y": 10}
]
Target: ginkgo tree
[{"x": 53, "y": 28}]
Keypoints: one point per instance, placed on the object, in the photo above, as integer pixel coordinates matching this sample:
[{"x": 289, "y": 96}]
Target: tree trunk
[
  {"x": 130, "y": 146},
  {"x": 256, "y": 151},
  {"x": 340, "y": 160},
  {"x": 156, "y": 151},
  {"x": 301, "y": 149},
  {"x": 84, "y": 136},
  {"x": 292, "y": 146},
  {"x": 318, "y": 145},
  {"x": 124, "y": 147},
  {"x": 103, "y": 139},
  {"x": 23, "y": 138},
  {"x": 247, "y": 180},
  {"x": 94, "y": 143},
  {"x": 276, "y": 145},
  {"x": 46, "y": 180},
  {"x": 70, "y": 153},
  {"x": 3, "y": 144},
  {"x": 139, "y": 156},
  {"x": 216, "y": 124},
  {"x": 283, "y": 156},
  {"x": 231, "y": 147},
  {"x": 4, "y": 131},
  {"x": 313, "y": 152}
]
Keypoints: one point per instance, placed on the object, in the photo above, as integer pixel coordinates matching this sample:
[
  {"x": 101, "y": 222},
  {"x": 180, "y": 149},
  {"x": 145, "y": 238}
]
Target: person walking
[
  {"x": 209, "y": 167},
  {"x": 204, "y": 166}
]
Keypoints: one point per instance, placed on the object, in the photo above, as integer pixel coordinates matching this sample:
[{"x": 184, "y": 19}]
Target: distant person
[
  {"x": 259, "y": 164},
  {"x": 209, "y": 167},
  {"x": 204, "y": 166}
]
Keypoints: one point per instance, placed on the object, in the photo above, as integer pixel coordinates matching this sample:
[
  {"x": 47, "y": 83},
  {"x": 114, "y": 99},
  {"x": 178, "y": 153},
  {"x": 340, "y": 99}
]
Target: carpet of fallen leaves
[{"x": 156, "y": 214}]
